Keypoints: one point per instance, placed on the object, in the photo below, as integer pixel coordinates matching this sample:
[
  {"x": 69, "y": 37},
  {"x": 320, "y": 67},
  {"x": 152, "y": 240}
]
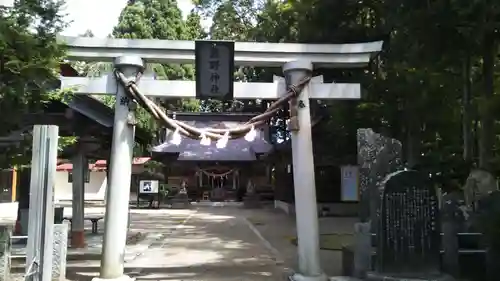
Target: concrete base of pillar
[
  {"x": 78, "y": 239},
  {"x": 300, "y": 277},
  {"x": 121, "y": 278}
]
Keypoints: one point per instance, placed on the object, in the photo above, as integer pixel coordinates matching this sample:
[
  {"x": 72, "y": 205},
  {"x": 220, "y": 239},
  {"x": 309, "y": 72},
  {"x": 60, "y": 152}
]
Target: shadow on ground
[
  {"x": 210, "y": 243},
  {"x": 186, "y": 273},
  {"x": 280, "y": 230}
]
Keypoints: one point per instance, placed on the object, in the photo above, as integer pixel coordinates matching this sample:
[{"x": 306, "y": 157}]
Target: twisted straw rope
[{"x": 187, "y": 130}]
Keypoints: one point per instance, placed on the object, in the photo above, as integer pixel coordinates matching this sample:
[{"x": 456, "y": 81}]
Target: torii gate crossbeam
[{"x": 246, "y": 53}]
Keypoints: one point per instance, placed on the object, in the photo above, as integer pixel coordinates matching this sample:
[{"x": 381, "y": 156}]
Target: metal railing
[{"x": 33, "y": 267}]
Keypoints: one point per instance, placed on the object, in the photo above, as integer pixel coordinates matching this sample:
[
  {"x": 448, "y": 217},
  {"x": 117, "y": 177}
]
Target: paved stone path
[
  {"x": 202, "y": 244},
  {"x": 279, "y": 228}
]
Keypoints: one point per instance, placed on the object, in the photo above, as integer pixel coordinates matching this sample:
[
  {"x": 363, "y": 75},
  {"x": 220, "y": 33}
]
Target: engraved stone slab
[
  {"x": 5, "y": 234},
  {"x": 60, "y": 252},
  {"x": 409, "y": 238},
  {"x": 408, "y": 233},
  {"x": 377, "y": 157}
]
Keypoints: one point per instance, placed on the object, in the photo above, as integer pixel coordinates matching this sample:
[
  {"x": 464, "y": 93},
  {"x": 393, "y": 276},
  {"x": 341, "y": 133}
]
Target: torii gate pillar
[
  {"x": 118, "y": 195},
  {"x": 306, "y": 208}
]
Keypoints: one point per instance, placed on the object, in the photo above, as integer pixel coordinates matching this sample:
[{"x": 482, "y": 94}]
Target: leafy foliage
[
  {"x": 417, "y": 89},
  {"x": 29, "y": 66},
  {"x": 154, "y": 19},
  {"x": 433, "y": 85}
]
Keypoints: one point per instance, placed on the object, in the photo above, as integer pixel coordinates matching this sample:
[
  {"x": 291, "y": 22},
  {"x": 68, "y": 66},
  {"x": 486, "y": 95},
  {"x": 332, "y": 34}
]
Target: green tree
[
  {"x": 413, "y": 90},
  {"x": 29, "y": 65},
  {"x": 156, "y": 19},
  {"x": 228, "y": 24},
  {"x": 194, "y": 29}
]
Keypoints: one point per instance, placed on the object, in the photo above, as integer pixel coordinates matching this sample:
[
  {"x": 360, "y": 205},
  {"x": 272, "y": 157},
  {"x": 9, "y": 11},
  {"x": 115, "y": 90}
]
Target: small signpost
[
  {"x": 349, "y": 183},
  {"x": 214, "y": 61},
  {"x": 148, "y": 187}
]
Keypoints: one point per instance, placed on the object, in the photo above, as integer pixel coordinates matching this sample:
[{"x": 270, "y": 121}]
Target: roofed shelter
[
  {"x": 84, "y": 117},
  {"x": 211, "y": 172},
  {"x": 81, "y": 116}
]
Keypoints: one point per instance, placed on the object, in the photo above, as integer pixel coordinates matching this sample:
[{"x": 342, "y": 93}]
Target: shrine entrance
[
  {"x": 213, "y": 172},
  {"x": 218, "y": 177},
  {"x": 218, "y": 183},
  {"x": 238, "y": 143}
]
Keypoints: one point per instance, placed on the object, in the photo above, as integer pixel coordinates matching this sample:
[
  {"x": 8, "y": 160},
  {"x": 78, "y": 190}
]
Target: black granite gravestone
[{"x": 408, "y": 236}]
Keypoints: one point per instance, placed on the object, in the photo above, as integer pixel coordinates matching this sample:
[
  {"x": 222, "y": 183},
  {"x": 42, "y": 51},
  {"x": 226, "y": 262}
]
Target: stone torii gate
[{"x": 297, "y": 61}]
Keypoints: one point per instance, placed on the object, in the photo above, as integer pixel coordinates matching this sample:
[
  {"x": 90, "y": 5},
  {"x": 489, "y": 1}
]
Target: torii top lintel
[{"x": 246, "y": 53}]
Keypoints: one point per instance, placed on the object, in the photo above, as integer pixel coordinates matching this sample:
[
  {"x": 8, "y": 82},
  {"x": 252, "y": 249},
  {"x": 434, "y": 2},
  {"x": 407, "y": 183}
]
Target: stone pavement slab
[
  {"x": 278, "y": 230},
  {"x": 204, "y": 244},
  {"x": 214, "y": 243}
]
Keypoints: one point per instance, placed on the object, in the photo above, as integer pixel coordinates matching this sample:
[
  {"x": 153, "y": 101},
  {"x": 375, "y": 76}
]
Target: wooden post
[{"x": 14, "y": 185}]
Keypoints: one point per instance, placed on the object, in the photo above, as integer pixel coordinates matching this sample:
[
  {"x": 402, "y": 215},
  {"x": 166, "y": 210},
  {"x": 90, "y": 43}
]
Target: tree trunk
[
  {"x": 487, "y": 134},
  {"x": 466, "y": 115},
  {"x": 413, "y": 133}
]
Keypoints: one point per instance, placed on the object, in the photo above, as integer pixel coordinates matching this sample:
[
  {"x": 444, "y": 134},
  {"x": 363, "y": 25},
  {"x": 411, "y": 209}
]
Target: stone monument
[
  {"x": 251, "y": 198},
  {"x": 486, "y": 219},
  {"x": 479, "y": 184},
  {"x": 408, "y": 232},
  {"x": 181, "y": 199},
  {"x": 377, "y": 157}
]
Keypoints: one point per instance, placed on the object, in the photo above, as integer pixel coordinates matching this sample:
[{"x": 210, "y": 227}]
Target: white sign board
[
  {"x": 349, "y": 183},
  {"x": 148, "y": 186},
  {"x": 7, "y": 3},
  {"x": 8, "y": 213}
]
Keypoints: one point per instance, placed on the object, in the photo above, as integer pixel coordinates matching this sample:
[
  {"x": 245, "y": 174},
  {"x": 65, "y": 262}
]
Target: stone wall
[
  {"x": 59, "y": 252},
  {"x": 5, "y": 234}
]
